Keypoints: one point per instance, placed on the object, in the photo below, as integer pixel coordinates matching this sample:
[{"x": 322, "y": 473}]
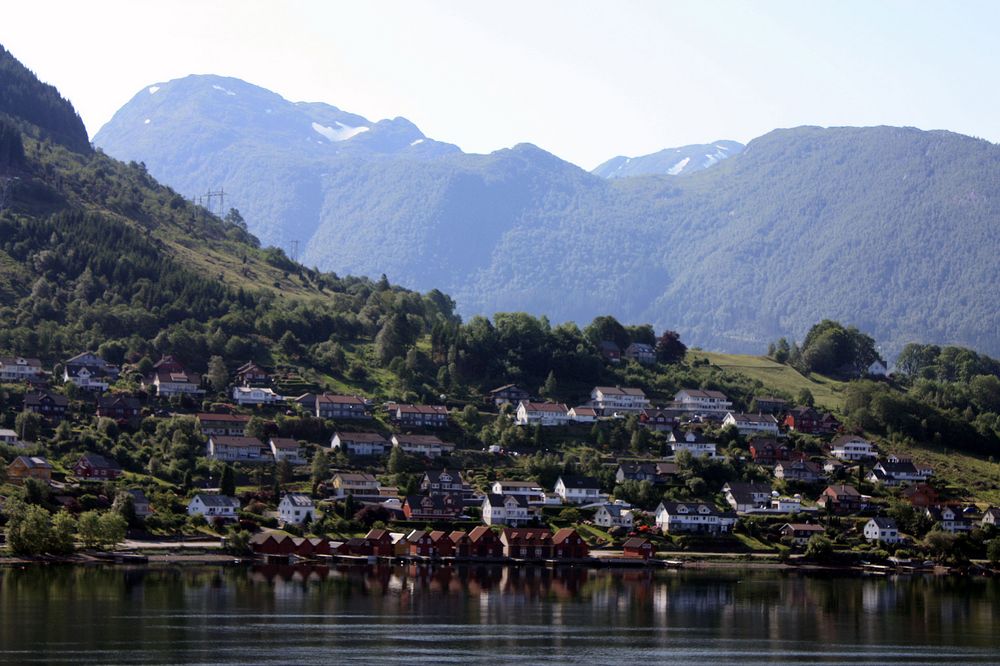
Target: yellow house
[{"x": 29, "y": 467}]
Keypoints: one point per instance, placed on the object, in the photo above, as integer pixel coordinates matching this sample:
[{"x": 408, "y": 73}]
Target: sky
[{"x": 582, "y": 79}]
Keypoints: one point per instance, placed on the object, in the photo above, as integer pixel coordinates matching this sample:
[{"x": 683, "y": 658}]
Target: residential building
[
  {"x": 422, "y": 445},
  {"x": 285, "y": 448},
  {"x": 213, "y": 506},
  {"x": 692, "y": 442},
  {"x": 94, "y": 467},
  {"x": 29, "y": 467},
  {"x": 542, "y": 413},
  {"x": 443, "y": 481},
  {"x": 238, "y": 449},
  {"x": 17, "y": 369},
  {"x": 841, "y": 498},
  {"x": 610, "y": 400},
  {"x": 251, "y": 374},
  {"x": 896, "y": 471},
  {"x": 692, "y": 518},
  {"x": 640, "y": 352},
  {"x": 805, "y": 471},
  {"x": 170, "y": 378},
  {"x": 484, "y": 543},
  {"x": 991, "y": 518},
  {"x": 421, "y": 416},
  {"x": 583, "y": 414},
  {"x": 949, "y": 518},
  {"x": 255, "y": 395},
  {"x": 920, "y": 495},
  {"x": 614, "y": 515},
  {"x": 342, "y": 407},
  {"x": 800, "y": 533},
  {"x": 441, "y": 544},
  {"x": 296, "y": 509},
  {"x": 509, "y": 394},
  {"x": 852, "y": 447},
  {"x": 140, "y": 503},
  {"x": 883, "y": 530},
  {"x": 360, "y": 443},
  {"x": 747, "y": 497},
  {"x": 767, "y": 451},
  {"x": 803, "y": 419},
  {"x": 432, "y": 507},
  {"x": 769, "y": 404},
  {"x": 573, "y": 489},
  {"x": 611, "y": 352},
  {"x": 52, "y": 406},
  {"x": 638, "y": 548},
  {"x": 355, "y": 483},
  {"x": 786, "y": 504},
  {"x": 654, "y": 472},
  {"x": 657, "y": 419},
  {"x": 231, "y": 425},
  {"x": 120, "y": 407},
  {"x": 9, "y": 437},
  {"x": 505, "y": 510},
  {"x": 750, "y": 424},
  {"x": 89, "y": 371},
  {"x": 698, "y": 401},
  {"x": 460, "y": 543},
  {"x": 567, "y": 544},
  {"x": 527, "y": 543},
  {"x": 530, "y": 490}
]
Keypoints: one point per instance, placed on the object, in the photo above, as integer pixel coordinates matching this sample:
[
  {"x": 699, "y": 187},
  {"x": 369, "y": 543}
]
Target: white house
[
  {"x": 613, "y": 515},
  {"x": 691, "y": 441},
  {"x": 583, "y": 414},
  {"x": 505, "y": 510},
  {"x": 895, "y": 471},
  {"x": 254, "y": 395},
  {"x": 578, "y": 489},
  {"x": 213, "y": 506},
  {"x": 852, "y": 447},
  {"x": 544, "y": 413},
  {"x": 87, "y": 378},
  {"x": 296, "y": 508},
  {"x": 355, "y": 483},
  {"x": 9, "y": 437},
  {"x": 883, "y": 530},
  {"x": 878, "y": 369},
  {"x": 616, "y": 399},
  {"x": 786, "y": 504},
  {"x": 749, "y": 424},
  {"x": 284, "y": 448},
  {"x": 703, "y": 402},
  {"x": 422, "y": 445},
  {"x": 530, "y": 490},
  {"x": 238, "y": 449},
  {"x": 746, "y": 497},
  {"x": 360, "y": 443},
  {"x": 692, "y": 517},
  {"x": 19, "y": 369},
  {"x": 950, "y": 518}
]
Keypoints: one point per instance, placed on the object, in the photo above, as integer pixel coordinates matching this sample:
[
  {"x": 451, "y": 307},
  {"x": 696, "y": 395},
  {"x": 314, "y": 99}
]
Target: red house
[
  {"x": 802, "y": 419},
  {"x": 420, "y": 543},
  {"x": 568, "y": 545},
  {"x": 93, "y": 466},
  {"x": 527, "y": 543},
  {"x": 432, "y": 507},
  {"x": 767, "y": 451},
  {"x": 639, "y": 548},
  {"x": 357, "y": 547},
  {"x": 443, "y": 545},
  {"x": 484, "y": 543},
  {"x": 460, "y": 543},
  {"x": 921, "y": 495},
  {"x": 272, "y": 544},
  {"x": 381, "y": 543}
]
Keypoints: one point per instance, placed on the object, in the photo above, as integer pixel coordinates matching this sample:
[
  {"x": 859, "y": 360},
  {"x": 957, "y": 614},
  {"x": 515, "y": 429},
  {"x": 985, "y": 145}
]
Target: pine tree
[{"x": 227, "y": 485}]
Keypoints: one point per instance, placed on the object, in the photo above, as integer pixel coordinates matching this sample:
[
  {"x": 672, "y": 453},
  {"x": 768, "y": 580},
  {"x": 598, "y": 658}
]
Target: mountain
[
  {"x": 96, "y": 254},
  {"x": 889, "y": 229},
  {"x": 670, "y": 161}
]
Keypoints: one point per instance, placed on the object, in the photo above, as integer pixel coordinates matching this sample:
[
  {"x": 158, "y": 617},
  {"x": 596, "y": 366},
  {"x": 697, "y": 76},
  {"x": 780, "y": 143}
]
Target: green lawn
[{"x": 827, "y": 392}]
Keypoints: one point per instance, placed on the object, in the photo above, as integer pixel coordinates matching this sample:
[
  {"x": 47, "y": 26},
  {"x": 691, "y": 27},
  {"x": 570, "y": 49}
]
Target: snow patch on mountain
[
  {"x": 340, "y": 133},
  {"x": 225, "y": 90},
  {"x": 152, "y": 89},
  {"x": 677, "y": 168}
]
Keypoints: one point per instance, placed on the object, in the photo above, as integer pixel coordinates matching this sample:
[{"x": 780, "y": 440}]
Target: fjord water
[{"x": 490, "y": 615}]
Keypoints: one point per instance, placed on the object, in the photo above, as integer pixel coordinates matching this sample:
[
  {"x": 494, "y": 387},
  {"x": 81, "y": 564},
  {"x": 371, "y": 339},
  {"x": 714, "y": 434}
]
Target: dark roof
[
  {"x": 422, "y": 409},
  {"x": 341, "y": 399},
  {"x": 227, "y": 440},
  {"x": 34, "y": 462},
  {"x": 118, "y": 400},
  {"x": 555, "y": 407},
  {"x": 575, "y": 481},
  {"x": 224, "y": 417},
  {"x": 499, "y": 500},
  {"x": 217, "y": 500},
  {"x": 884, "y": 523},
  {"x": 299, "y": 499},
  {"x": 37, "y": 397},
  {"x": 100, "y": 462},
  {"x": 372, "y": 437},
  {"x": 635, "y": 542},
  {"x": 693, "y": 507},
  {"x": 609, "y": 346}
]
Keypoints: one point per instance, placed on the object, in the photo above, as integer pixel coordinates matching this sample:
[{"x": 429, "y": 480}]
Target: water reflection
[{"x": 280, "y": 614}]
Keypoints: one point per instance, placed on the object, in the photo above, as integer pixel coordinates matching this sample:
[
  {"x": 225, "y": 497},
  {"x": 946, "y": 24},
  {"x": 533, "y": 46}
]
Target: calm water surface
[{"x": 490, "y": 615}]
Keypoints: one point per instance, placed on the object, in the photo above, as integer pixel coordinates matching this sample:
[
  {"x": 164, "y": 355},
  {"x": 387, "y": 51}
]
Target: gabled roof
[
  {"x": 843, "y": 489},
  {"x": 285, "y": 443},
  {"x": 562, "y": 534},
  {"x": 422, "y": 409},
  {"x": 38, "y": 397},
  {"x": 340, "y": 399},
  {"x": 551, "y": 407},
  {"x": 369, "y": 437},
  {"x": 498, "y": 501},
  {"x": 230, "y": 418},
  {"x": 419, "y": 440},
  {"x": 740, "y": 417},
  {"x": 577, "y": 481},
  {"x": 246, "y": 442},
  {"x": 219, "y": 501},
  {"x": 298, "y": 499},
  {"x": 635, "y": 542},
  {"x": 118, "y": 400},
  {"x": 20, "y": 360},
  {"x": 479, "y": 532},
  {"x": 884, "y": 523},
  {"x": 434, "y": 475},
  {"x": 675, "y": 508},
  {"x": 804, "y": 527},
  {"x": 508, "y": 387},
  {"x": 707, "y": 393},
  {"x": 33, "y": 462},
  {"x": 356, "y": 477},
  {"x": 100, "y": 462},
  {"x": 620, "y": 391}
]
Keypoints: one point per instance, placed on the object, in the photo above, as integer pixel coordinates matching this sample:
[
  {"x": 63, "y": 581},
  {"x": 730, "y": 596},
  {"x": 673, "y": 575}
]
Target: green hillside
[{"x": 779, "y": 377}]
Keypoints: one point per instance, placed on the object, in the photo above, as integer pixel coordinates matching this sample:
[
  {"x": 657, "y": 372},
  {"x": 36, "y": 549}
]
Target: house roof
[
  {"x": 117, "y": 400},
  {"x": 552, "y": 407},
  {"x": 498, "y": 501},
  {"x": 843, "y": 489},
  {"x": 804, "y": 527},
  {"x": 609, "y": 346},
  {"x": 356, "y": 477},
  {"x": 422, "y": 409},
  {"x": 884, "y": 523},
  {"x": 508, "y": 387},
  {"x": 562, "y": 534},
  {"x": 222, "y": 501},
  {"x": 340, "y": 399},
  {"x": 619, "y": 390},
  {"x": 100, "y": 462},
  {"x": 852, "y": 439},
  {"x": 577, "y": 481},
  {"x": 893, "y": 468},
  {"x": 298, "y": 499},
  {"x": 285, "y": 443},
  {"x": 228, "y": 418},
  {"x": 479, "y": 532},
  {"x": 517, "y": 484},
  {"x": 8, "y": 433},
  {"x": 227, "y": 440},
  {"x": 699, "y": 393},
  {"x": 641, "y": 347},
  {"x": 370, "y": 437},
  {"x": 37, "y": 397},
  {"x": 20, "y": 360},
  {"x": 434, "y": 475},
  {"x": 585, "y": 411},
  {"x": 740, "y": 417},
  {"x": 635, "y": 542},
  {"x": 419, "y": 440},
  {"x": 33, "y": 462},
  {"x": 692, "y": 507}
]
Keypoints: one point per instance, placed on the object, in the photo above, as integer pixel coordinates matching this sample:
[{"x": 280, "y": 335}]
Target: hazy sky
[{"x": 584, "y": 80}]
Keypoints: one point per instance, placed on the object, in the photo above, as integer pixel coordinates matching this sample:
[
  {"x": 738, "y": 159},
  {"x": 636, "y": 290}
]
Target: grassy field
[
  {"x": 827, "y": 392},
  {"x": 965, "y": 476}
]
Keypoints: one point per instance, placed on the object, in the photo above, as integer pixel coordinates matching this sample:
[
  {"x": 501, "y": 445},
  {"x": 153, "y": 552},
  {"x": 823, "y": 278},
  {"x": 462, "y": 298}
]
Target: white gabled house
[
  {"x": 692, "y": 442},
  {"x": 574, "y": 489},
  {"x": 883, "y": 530},
  {"x": 895, "y": 471},
  {"x": 284, "y": 448},
  {"x": 614, "y": 515},
  {"x": 609, "y": 400},
  {"x": 751, "y": 424},
  {"x": 505, "y": 510},
  {"x": 543, "y": 413},
  {"x": 703, "y": 402},
  {"x": 692, "y": 517},
  {"x": 296, "y": 509},
  {"x": 359, "y": 443},
  {"x": 852, "y": 447},
  {"x": 213, "y": 506},
  {"x": 255, "y": 395}
]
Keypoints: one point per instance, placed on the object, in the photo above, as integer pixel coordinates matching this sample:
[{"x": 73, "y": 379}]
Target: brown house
[
  {"x": 485, "y": 544},
  {"x": 767, "y": 451},
  {"x": 432, "y": 507},
  {"x": 381, "y": 543},
  {"x": 802, "y": 419},
  {"x": 29, "y": 467},
  {"x": 443, "y": 545},
  {"x": 637, "y": 547},
  {"x": 50, "y": 405},
  {"x": 121, "y": 408},
  {"x": 96, "y": 467},
  {"x": 840, "y": 498},
  {"x": 251, "y": 374},
  {"x": 568, "y": 545},
  {"x": 922, "y": 495},
  {"x": 527, "y": 543},
  {"x": 461, "y": 545},
  {"x": 420, "y": 543}
]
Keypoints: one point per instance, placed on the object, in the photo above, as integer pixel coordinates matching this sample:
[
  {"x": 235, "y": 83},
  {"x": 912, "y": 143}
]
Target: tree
[
  {"x": 124, "y": 504},
  {"x": 29, "y": 531},
  {"x": 320, "y": 467},
  {"x": 88, "y": 529},
  {"x": 395, "y": 464},
  {"x": 549, "y": 388},
  {"x": 63, "y": 540},
  {"x": 669, "y": 348},
  {"x": 237, "y": 541},
  {"x": 284, "y": 471},
  {"x": 112, "y": 528},
  {"x": 819, "y": 548},
  {"x": 234, "y": 218},
  {"x": 218, "y": 376},
  {"x": 993, "y": 551},
  {"x": 607, "y": 329},
  {"x": 805, "y": 397},
  {"x": 28, "y": 426},
  {"x": 257, "y": 428},
  {"x": 227, "y": 485}
]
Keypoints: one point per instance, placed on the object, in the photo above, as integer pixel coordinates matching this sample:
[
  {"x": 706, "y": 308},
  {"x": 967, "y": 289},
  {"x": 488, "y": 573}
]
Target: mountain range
[{"x": 890, "y": 229}]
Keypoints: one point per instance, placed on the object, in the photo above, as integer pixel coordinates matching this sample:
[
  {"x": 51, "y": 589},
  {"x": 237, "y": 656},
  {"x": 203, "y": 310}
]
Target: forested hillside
[{"x": 889, "y": 229}]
